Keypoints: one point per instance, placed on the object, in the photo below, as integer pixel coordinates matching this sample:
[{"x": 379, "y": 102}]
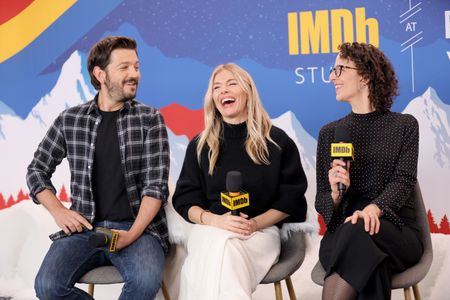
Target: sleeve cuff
[{"x": 39, "y": 189}]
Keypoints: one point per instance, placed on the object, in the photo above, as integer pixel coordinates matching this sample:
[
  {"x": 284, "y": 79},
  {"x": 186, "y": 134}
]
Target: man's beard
[{"x": 117, "y": 92}]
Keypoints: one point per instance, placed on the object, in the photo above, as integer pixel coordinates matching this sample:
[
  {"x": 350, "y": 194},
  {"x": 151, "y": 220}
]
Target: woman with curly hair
[
  {"x": 228, "y": 255},
  {"x": 371, "y": 228}
]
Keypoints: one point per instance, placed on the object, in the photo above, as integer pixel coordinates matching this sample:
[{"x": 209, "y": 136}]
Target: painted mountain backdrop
[
  {"x": 43, "y": 52},
  {"x": 183, "y": 123},
  {"x": 19, "y": 138}
]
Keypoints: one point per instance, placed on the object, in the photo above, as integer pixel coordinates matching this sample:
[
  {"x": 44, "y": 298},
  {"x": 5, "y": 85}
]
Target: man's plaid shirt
[{"x": 144, "y": 151}]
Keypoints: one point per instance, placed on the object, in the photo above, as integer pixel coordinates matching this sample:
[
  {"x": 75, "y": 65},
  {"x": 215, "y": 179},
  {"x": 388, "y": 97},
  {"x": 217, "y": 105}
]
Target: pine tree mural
[
  {"x": 10, "y": 202},
  {"x": 22, "y": 196},
  {"x": 2, "y": 201},
  {"x": 322, "y": 226},
  {"x": 444, "y": 226},
  {"x": 63, "y": 195},
  {"x": 433, "y": 226}
]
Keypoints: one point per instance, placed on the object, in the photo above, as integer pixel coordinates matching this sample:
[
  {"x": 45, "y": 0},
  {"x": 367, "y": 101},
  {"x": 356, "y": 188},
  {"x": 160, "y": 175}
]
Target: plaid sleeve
[
  {"x": 156, "y": 160},
  {"x": 51, "y": 151}
]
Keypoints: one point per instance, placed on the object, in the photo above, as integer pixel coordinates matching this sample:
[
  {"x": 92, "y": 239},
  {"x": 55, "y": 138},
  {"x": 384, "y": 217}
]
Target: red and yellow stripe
[{"x": 24, "y": 20}]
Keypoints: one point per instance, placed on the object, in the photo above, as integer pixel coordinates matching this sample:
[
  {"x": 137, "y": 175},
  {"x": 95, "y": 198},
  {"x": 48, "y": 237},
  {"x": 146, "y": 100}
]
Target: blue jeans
[{"x": 141, "y": 265}]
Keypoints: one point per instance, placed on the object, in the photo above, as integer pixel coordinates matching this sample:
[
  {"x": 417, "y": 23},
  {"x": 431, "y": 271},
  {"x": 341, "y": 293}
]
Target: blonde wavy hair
[{"x": 258, "y": 120}]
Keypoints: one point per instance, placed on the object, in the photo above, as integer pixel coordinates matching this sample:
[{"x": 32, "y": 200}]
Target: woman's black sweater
[{"x": 280, "y": 185}]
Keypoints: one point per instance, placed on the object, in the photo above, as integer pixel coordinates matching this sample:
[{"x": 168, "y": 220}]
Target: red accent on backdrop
[
  {"x": 10, "y": 9},
  {"x": 443, "y": 227},
  {"x": 182, "y": 120}
]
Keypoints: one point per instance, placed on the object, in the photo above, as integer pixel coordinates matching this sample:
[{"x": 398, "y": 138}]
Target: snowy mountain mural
[
  {"x": 20, "y": 138},
  {"x": 34, "y": 223},
  {"x": 179, "y": 43},
  {"x": 434, "y": 150},
  {"x": 72, "y": 89}
]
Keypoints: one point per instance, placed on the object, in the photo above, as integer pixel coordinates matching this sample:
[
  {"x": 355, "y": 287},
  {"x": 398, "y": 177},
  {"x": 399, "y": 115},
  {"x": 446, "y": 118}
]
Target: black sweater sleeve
[
  {"x": 190, "y": 186},
  {"x": 292, "y": 182}
]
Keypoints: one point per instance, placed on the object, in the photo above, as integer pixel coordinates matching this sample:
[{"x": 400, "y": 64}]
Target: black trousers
[{"x": 367, "y": 262}]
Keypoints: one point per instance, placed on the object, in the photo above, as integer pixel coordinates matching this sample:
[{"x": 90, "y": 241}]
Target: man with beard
[{"x": 118, "y": 155}]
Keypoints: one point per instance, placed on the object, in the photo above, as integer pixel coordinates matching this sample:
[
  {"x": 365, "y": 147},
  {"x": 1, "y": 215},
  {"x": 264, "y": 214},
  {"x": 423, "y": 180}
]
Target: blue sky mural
[{"x": 181, "y": 41}]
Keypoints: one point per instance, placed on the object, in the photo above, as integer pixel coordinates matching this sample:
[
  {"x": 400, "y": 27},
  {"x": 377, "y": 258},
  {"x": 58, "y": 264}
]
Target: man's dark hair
[
  {"x": 101, "y": 52},
  {"x": 374, "y": 66}
]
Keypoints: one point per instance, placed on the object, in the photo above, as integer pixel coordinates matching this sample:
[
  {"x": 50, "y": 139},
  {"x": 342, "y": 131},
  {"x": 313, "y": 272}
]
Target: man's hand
[
  {"x": 125, "y": 239},
  {"x": 147, "y": 211},
  {"x": 68, "y": 220}
]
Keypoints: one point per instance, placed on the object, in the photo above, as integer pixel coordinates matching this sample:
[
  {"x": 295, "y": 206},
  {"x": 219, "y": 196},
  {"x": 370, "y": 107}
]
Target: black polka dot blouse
[{"x": 384, "y": 169}]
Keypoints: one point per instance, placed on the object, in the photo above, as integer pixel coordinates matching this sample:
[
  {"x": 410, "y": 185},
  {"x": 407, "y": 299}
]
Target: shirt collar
[{"x": 93, "y": 106}]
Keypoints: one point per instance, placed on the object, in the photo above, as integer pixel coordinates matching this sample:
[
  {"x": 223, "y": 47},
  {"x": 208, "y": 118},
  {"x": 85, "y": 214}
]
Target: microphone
[
  {"x": 342, "y": 149},
  {"x": 234, "y": 198},
  {"x": 104, "y": 238}
]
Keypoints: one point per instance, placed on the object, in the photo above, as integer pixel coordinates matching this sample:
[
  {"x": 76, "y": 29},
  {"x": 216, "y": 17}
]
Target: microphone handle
[
  {"x": 98, "y": 240},
  {"x": 235, "y": 212},
  {"x": 341, "y": 186}
]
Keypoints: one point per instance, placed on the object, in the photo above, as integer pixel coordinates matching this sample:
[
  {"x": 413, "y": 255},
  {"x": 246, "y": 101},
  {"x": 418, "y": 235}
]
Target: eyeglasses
[{"x": 338, "y": 69}]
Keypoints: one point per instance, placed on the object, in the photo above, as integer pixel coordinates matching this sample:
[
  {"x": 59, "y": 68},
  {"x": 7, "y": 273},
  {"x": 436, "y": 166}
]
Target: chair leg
[
  {"x": 164, "y": 291},
  {"x": 407, "y": 292},
  {"x": 163, "y": 287},
  {"x": 290, "y": 288},
  {"x": 416, "y": 292},
  {"x": 278, "y": 294},
  {"x": 91, "y": 289}
]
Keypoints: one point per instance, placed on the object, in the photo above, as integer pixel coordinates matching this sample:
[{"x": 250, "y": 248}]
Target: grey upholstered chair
[
  {"x": 108, "y": 275},
  {"x": 291, "y": 257},
  {"x": 412, "y": 276}
]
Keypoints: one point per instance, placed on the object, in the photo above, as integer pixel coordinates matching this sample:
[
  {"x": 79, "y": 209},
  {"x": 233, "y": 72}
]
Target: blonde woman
[{"x": 229, "y": 255}]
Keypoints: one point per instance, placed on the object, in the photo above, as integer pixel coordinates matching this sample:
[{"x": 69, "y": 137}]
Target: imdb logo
[{"x": 309, "y": 33}]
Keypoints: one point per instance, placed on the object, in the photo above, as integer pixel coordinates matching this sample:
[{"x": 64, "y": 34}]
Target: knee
[
  {"x": 355, "y": 228},
  {"x": 45, "y": 287},
  {"x": 48, "y": 286},
  {"x": 144, "y": 285},
  {"x": 349, "y": 233}
]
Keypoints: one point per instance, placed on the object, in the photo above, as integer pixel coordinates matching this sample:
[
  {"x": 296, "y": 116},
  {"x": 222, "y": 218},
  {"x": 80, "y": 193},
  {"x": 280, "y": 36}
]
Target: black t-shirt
[{"x": 108, "y": 180}]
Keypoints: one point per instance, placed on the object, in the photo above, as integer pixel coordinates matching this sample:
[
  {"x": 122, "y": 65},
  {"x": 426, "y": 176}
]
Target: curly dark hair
[
  {"x": 101, "y": 52},
  {"x": 376, "y": 68}
]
